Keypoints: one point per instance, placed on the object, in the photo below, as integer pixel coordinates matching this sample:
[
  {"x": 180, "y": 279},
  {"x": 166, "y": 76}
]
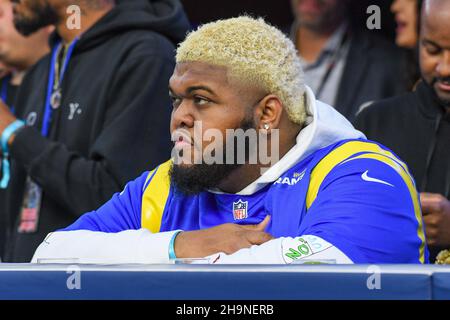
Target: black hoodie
[
  {"x": 9, "y": 98},
  {"x": 117, "y": 82},
  {"x": 417, "y": 128}
]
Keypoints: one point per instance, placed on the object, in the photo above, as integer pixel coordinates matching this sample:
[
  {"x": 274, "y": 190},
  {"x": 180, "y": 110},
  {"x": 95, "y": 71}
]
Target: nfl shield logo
[{"x": 240, "y": 210}]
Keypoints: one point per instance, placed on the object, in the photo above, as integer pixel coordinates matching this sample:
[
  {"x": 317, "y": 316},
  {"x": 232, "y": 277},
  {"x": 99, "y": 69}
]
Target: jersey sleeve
[
  {"x": 368, "y": 207},
  {"x": 122, "y": 212},
  {"x": 113, "y": 234}
]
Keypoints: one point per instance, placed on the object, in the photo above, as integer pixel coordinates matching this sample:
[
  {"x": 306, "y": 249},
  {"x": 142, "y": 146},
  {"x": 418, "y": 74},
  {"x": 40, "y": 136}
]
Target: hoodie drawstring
[{"x": 431, "y": 150}]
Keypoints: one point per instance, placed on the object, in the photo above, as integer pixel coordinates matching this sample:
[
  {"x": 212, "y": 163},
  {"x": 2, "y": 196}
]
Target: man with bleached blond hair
[{"x": 326, "y": 193}]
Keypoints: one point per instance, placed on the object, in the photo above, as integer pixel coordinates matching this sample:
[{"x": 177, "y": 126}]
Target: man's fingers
[
  {"x": 258, "y": 237},
  {"x": 430, "y": 202},
  {"x": 426, "y": 209},
  {"x": 437, "y": 197},
  {"x": 429, "y": 221},
  {"x": 430, "y": 206},
  {"x": 258, "y": 227},
  {"x": 263, "y": 224}
]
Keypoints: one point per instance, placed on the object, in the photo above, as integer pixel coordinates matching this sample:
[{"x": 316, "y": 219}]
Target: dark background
[{"x": 279, "y": 12}]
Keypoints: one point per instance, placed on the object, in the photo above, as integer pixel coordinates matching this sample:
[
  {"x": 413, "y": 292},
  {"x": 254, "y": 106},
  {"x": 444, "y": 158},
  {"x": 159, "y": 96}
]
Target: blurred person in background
[
  {"x": 346, "y": 67},
  {"x": 17, "y": 55},
  {"x": 96, "y": 109},
  {"x": 407, "y": 17},
  {"x": 417, "y": 125}
]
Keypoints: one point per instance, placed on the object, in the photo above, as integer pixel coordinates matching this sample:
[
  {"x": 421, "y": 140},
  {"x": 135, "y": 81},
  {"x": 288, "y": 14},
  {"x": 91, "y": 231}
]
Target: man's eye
[
  {"x": 432, "y": 50},
  {"x": 175, "y": 101},
  {"x": 200, "y": 101}
]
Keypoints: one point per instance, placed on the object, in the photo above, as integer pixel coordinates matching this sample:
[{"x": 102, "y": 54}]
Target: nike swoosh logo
[{"x": 365, "y": 177}]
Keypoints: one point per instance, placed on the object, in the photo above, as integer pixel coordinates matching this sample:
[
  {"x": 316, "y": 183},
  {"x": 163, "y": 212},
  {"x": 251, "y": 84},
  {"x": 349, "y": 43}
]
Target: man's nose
[
  {"x": 182, "y": 116},
  {"x": 443, "y": 67}
]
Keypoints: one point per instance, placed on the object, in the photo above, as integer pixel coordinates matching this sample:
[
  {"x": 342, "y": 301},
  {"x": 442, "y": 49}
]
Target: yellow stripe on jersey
[
  {"x": 155, "y": 197},
  {"x": 412, "y": 191},
  {"x": 150, "y": 175},
  {"x": 338, "y": 155},
  {"x": 366, "y": 150}
]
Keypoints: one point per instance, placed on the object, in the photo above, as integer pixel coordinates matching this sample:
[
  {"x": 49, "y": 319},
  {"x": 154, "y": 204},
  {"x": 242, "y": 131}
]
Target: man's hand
[
  {"x": 436, "y": 212},
  {"x": 6, "y": 118},
  {"x": 227, "y": 238}
]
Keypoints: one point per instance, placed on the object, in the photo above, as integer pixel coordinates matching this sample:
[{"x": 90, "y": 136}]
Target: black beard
[
  {"x": 443, "y": 102},
  {"x": 197, "y": 178},
  {"x": 43, "y": 16},
  {"x": 200, "y": 177}
]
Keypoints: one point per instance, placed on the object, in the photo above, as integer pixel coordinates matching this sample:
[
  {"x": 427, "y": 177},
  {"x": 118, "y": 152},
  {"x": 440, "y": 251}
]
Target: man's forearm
[
  {"x": 89, "y": 247},
  {"x": 286, "y": 251}
]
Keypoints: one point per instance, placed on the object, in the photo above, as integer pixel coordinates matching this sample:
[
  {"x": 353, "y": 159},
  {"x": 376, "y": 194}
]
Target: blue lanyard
[
  {"x": 51, "y": 82},
  {"x": 4, "y": 92},
  {"x": 5, "y": 81}
]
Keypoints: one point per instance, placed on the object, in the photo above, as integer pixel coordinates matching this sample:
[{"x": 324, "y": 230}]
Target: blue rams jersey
[{"x": 355, "y": 194}]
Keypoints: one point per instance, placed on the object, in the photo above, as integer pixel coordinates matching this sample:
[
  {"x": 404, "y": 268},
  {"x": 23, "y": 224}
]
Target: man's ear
[{"x": 269, "y": 111}]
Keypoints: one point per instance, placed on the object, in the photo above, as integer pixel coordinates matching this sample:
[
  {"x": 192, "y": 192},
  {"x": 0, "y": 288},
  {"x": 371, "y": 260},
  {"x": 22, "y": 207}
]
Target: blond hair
[{"x": 254, "y": 52}]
